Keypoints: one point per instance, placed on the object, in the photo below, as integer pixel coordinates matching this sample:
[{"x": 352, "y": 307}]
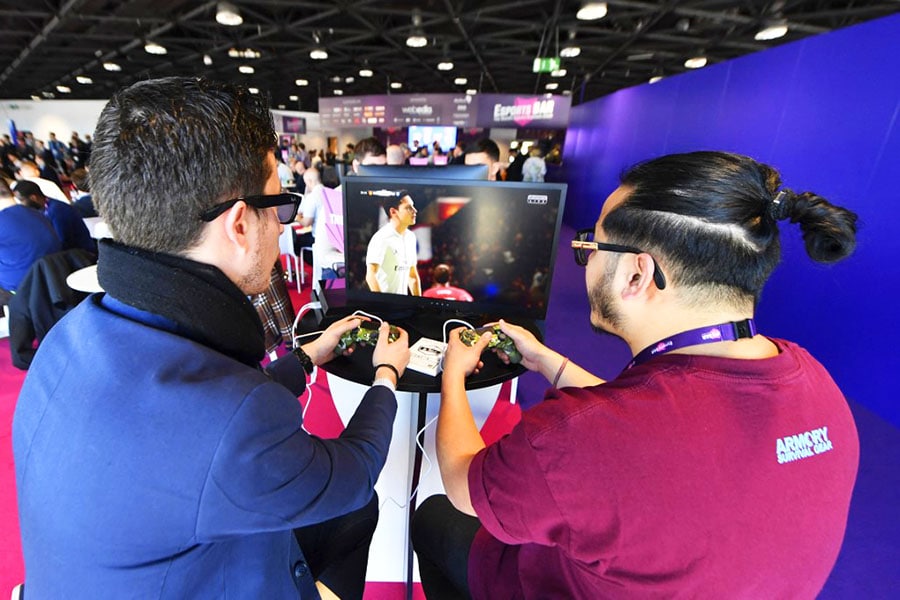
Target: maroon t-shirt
[{"x": 687, "y": 476}]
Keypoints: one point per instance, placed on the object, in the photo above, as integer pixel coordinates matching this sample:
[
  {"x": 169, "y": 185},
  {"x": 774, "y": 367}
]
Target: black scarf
[{"x": 206, "y": 306}]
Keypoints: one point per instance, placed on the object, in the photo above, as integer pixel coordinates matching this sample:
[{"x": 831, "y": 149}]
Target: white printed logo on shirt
[{"x": 802, "y": 445}]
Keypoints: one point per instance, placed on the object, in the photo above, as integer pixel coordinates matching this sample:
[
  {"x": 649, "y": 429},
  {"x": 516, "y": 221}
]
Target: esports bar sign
[{"x": 457, "y": 110}]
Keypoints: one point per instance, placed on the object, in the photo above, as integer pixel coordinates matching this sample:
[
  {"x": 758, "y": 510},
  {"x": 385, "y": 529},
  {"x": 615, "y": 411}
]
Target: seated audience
[
  {"x": 81, "y": 196},
  {"x": 25, "y": 236},
  {"x": 67, "y": 222}
]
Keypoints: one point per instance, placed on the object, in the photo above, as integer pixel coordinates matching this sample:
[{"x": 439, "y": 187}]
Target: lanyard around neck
[{"x": 711, "y": 334}]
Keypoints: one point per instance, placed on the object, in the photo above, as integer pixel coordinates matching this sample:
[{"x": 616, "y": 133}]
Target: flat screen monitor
[
  {"x": 426, "y": 135},
  {"x": 480, "y": 248},
  {"x": 467, "y": 172}
]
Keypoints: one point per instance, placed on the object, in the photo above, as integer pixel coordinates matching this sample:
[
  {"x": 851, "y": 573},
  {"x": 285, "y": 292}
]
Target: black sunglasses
[
  {"x": 286, "y": 203},
  {"x": 584, "y": 244}
]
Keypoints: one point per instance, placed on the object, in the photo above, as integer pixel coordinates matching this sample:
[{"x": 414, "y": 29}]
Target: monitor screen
[
  {"x": 426, "y": 135},
  {"x": 467, "y": 172},
  {"x": 468, "y": 247}
]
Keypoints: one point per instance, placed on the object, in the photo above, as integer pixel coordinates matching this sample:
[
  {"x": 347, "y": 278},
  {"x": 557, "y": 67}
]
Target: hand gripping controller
[
  {"x": 499, "y": 341},
  {"x": 366, "y": 335}
]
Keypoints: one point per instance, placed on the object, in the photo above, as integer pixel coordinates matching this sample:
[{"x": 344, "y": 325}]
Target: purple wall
[{"x": 825, "y": 111}]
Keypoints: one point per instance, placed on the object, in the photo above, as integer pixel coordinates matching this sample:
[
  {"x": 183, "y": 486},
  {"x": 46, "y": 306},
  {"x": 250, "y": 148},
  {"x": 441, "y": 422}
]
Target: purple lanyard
[{"x": 724, "y": 332}]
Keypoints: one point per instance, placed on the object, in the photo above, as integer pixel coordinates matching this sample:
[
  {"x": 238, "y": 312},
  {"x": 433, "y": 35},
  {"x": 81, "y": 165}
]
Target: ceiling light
[
  {"x": 246, "y": 69},
  {"x": 227, "y": 14},
  {"x": 154, "y": 48},
  {"x": 84, "y": 79},
  {"x": 567, "y": 92},
  {"x": 207, "y": 60},
  {"x": 336, "y": 79},
  {"x": 445, "y": 65},
  {"x": 318, "y": 54},
  {"x": 253, "y": 90},
  {"x": 471, "y": 92},
  {"x": 417, "y": 40},
  {"x": 281, "y": 106},
  {"x": 301, "y": 82},
  {"x": 396, "y": 85},
  {"x": 570, "y": 52},
  {"x": 591, "y": 11},
  {"x": 244, "y": 53},
  {"x": 655, "y": 78},
  {"x": 772, "y": 31},
  {"x": 338, "y": 92},
  {"x": 366, "y": 72},
  {"x": 63, "y": 89},
  {"x": 558, "y": 73},
  {"x": 293, "y": 98},
  {"x": 36, "y": 98},
  {"x": 48, "y": 94},
  {"x": 460, "y": 81},
  {"x": 349, "y": 79},
  {"x": 551, "y": 86},
  {"x": 698, "y": 62},
  {"x": 111, "y": 66}
]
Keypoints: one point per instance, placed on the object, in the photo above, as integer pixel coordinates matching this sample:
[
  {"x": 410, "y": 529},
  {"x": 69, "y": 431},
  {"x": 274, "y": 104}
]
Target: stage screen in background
[
  {"x": 293, "y": 125},
  {"x": 425, "y": 135},
  {"x": 499, "y": 240}
]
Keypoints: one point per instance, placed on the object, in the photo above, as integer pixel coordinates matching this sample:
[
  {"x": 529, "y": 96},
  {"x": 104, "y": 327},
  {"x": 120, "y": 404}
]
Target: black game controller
[
  {"x": 366, "y": 335},
  {"x": 499, "y": 341}
]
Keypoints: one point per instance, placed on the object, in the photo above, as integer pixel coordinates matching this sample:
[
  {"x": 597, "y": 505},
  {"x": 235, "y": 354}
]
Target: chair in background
[
  {"x": 286, "y": 247},
  {"x": 42, "y": 299}
]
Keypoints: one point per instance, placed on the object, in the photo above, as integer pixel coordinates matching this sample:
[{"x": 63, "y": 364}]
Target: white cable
[
  {"x": 303, "y": 310},
  {"x": 422, "y": 476},
  {"x": 371, "y": 316},
  {"x": 448, "y": 321}
]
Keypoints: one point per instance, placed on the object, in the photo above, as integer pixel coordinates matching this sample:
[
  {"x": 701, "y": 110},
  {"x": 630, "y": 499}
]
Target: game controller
[
  {"x": 499, "y": 341},
  {"x": 366, "y": 335}
]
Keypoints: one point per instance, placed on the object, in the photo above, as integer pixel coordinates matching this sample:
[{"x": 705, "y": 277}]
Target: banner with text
[{"x": 457, "y": 110}]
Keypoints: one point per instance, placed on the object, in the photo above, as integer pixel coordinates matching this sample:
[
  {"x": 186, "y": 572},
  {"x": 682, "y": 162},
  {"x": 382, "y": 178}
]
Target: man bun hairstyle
[
  {"x": 710, "y": 219},
  {"x": 167, "y": 149}
]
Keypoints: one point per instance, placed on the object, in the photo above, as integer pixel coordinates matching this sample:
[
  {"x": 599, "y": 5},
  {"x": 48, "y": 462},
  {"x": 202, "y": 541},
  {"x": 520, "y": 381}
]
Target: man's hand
[
  {"x": 321, "y": 350},
  {"x": 462, "y": 359},
  {"x": 533, "y": 352},
  {"x": 394, "y": 353}
]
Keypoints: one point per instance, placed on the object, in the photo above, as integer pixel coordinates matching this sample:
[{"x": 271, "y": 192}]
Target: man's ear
[
  {"x": 236, "y": 226},
  {"x": 638, "y": 273}
]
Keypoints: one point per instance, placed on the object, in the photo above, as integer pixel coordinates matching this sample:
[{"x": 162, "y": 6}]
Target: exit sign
[{"x": 546, "y": 65}]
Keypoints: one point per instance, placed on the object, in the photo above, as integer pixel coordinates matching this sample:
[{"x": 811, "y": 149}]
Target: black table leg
[{"x": 414, "y": 491}]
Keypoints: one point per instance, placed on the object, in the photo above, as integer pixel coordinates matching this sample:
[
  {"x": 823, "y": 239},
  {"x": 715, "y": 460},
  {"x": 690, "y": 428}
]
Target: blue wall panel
[{"x": 825, "y": 111}]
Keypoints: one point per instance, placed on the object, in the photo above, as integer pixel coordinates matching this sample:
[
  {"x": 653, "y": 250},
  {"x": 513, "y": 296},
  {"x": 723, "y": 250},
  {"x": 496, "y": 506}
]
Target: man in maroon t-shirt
[{"x": 719, "y": 464}]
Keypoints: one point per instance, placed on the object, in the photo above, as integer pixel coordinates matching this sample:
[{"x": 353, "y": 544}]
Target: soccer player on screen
[
  {"x": 391, "y": 256},
  {"x": 442, "y": 288}
]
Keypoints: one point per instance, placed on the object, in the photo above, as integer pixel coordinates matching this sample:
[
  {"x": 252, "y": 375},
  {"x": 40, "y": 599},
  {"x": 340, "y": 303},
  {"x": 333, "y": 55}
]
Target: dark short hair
[
  {"x": 81, "y": 180},
  {"x": 28, "y": 188},
  {"x": 369, "y": 146},
  {"x": 710, "y": 220},
  {"x": 394, "y": 202},
  {"x": 441, "y": 273},
  {"x": 486, "y": 145},
  {"x": 167, "y": 149}
]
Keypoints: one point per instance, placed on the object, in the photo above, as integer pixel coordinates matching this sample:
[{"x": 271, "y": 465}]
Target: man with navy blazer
[{"x": 154, "y": 458}]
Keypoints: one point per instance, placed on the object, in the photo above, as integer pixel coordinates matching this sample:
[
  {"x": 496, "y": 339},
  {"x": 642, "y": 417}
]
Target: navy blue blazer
[{"x": 149, "y": 466}]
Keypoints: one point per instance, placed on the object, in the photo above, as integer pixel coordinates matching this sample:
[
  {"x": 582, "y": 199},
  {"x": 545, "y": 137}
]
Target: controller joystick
[
  {"x": 365, "y": 335},
  {"x": 499, "y": 341}
]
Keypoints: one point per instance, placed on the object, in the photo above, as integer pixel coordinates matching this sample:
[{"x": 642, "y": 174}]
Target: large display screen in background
[
  {"x": 426, "y": 135},
  {"x": 498, "y": 239}
]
